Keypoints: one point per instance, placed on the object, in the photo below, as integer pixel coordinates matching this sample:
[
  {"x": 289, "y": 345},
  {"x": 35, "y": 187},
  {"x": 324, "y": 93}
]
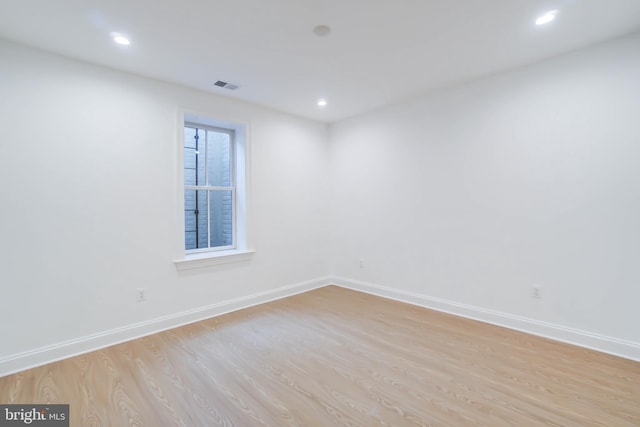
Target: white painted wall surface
[
  {"x": 469, "y": 195},
  {"x": 90, "y": 200},
  {"x": 475, "y": 193}
]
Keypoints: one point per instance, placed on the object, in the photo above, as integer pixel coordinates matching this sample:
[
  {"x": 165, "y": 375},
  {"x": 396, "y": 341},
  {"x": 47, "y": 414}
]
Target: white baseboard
[
  {"x": 41, "y": 356},
  {"x": 614, "y": 346}
]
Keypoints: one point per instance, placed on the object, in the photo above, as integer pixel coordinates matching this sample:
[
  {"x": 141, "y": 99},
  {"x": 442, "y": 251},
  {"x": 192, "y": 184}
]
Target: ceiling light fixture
[
  {"x": 547, "y": 17},
  {"x": 322, "y": 30},
  {"x": 322, "y": 102},
  {"x": 120, "y": 39}
]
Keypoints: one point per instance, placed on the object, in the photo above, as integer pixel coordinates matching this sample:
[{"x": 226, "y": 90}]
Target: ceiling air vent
[{"x": 225, "y": 85}]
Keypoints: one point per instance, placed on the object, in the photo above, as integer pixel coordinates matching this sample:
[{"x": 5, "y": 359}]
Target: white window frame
[
  {"x": 240, "y": 168},
  {"x": 232, "y": 188}
]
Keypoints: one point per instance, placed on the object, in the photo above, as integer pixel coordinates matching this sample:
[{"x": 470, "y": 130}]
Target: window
[
  {"x": 214, "y": 187},
  {"x": 209, "y": 187}
]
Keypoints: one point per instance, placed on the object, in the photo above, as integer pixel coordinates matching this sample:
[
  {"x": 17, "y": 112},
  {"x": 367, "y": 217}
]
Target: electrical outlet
[
  {"x": 361, "y": 263},
  {"x": 141, "y": 296},
  {"x": 536, "y": 292}
]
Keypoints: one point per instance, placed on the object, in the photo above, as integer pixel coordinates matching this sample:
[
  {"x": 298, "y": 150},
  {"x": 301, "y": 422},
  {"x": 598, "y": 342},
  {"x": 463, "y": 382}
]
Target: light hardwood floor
[{"x": 337, "y": 357}]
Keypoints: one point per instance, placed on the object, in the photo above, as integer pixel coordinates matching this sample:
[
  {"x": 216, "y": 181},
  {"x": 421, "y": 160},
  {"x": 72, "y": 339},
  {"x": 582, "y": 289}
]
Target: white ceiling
[{"x": 379, "y": 51}]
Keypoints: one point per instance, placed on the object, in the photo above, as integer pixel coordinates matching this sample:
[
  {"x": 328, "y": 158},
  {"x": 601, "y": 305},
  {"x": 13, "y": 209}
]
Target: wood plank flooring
[{"x": 335, "y": 357}]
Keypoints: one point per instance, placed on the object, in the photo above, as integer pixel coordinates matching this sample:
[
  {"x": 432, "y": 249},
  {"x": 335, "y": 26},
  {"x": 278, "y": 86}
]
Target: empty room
[{"x": 320, "y": 213}]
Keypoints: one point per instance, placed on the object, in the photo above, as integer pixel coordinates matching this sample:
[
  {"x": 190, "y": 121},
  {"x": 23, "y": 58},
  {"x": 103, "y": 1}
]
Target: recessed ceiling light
[
  {"x": 322, "y": 102},
  {"x": 322, "y": 30},
  {"x": 547, "y": 17},
  {"x": 120, "y": 39}
]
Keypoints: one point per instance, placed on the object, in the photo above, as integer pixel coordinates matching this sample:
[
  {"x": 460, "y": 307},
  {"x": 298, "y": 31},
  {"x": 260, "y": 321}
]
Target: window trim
[
  {"x": 183, "y": 259},
  {"x": 208, "y": 259}
]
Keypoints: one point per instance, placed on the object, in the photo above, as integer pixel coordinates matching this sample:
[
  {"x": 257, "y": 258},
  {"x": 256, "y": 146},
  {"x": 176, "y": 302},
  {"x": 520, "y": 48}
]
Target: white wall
[
  {"x": 473, "y": 194},
  {"x": 90, "y": 201},
  {"x": 469, "y": 195}
]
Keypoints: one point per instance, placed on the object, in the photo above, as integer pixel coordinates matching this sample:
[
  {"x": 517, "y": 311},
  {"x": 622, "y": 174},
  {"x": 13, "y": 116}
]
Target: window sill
[{"x": 207, "y": 259}]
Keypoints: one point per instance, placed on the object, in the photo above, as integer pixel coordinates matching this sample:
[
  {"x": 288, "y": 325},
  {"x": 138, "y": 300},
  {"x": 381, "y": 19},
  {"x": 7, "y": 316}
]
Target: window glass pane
[
  {"x": 189, "y": 140},
  {"x": 189, "y": 156},
  {"x": 196, "y": 219},
  {"x": 190, "y": 236},
  {"x": 221, "y": 218},
  {"x": 219, "y": 159},
  {"x": 203, "y": 219},
  {"x": 201, "y": 146},
  {"x": 194, "y": 155}
]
